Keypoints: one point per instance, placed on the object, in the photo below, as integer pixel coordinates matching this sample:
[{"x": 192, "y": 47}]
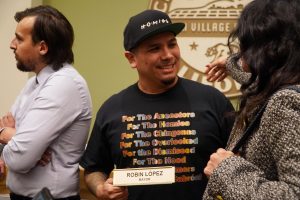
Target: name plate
[{"x": 144, "y": 176}]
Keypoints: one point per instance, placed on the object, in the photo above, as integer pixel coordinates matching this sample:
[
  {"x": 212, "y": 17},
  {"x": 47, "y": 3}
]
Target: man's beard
[
  {"x": 169, "y": 81},
  {"x": 25, "y": 67}
]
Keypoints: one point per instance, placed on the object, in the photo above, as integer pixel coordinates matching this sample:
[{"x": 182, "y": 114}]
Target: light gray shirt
[{"x": 53, "y": 111}]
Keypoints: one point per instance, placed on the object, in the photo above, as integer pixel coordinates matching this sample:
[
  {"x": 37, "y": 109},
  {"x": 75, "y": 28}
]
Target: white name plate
[{"x": 144, "y": 176}]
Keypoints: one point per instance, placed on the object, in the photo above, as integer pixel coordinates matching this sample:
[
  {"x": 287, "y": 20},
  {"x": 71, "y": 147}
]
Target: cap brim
[{"x": 175, "y": 28}]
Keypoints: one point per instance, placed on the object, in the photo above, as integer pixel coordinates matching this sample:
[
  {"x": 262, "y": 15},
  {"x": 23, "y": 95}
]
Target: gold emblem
[{"x": 204, "y": 38}]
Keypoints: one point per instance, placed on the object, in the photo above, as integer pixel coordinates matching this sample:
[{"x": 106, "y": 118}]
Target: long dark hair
[
  {"x": 269, "y": 35},
  {"x": 52, "y": 27}
]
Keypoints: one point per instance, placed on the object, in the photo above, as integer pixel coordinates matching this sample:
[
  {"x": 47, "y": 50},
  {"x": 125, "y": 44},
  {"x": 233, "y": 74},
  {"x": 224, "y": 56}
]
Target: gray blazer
[{"x": 269, "y": 165}]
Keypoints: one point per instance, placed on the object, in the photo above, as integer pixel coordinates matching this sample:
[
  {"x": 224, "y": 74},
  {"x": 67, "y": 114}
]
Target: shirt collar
[{"x": 44, "y": 74}]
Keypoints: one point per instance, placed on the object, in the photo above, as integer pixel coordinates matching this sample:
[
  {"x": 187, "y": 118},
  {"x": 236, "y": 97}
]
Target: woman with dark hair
[{"x": 262, "y": 157}]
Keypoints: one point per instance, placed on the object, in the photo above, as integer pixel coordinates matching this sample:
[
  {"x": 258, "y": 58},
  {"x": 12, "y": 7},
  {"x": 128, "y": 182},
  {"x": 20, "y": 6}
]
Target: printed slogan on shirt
[{"x": 161, "y": 139}]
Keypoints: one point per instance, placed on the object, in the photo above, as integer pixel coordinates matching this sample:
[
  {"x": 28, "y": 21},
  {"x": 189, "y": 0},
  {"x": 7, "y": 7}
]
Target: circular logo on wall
[{"x": 204, "y": 38}]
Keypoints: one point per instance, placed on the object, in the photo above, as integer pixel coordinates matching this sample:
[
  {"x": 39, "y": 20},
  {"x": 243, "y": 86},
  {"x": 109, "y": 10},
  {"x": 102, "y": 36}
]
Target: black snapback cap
[{"x": 147, "y": 24}]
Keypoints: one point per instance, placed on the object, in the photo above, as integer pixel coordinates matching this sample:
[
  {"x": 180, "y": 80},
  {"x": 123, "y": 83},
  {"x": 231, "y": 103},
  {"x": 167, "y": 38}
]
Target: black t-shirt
[{"x": 181, "y": 127}]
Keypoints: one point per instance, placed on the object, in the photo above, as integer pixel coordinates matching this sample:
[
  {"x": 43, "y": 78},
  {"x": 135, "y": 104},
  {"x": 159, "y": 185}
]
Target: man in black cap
[{"x": 162, "y": 120}]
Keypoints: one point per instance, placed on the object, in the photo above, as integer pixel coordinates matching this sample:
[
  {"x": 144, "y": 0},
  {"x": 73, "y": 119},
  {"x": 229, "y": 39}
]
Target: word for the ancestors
[{"x": 147, "y": 117}]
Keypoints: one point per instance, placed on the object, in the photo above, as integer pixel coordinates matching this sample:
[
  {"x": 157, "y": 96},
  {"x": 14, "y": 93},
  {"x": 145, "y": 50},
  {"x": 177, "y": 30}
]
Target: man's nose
[
  {"x": 13, "y": 44},
  {"x": 166, "y": 53}
]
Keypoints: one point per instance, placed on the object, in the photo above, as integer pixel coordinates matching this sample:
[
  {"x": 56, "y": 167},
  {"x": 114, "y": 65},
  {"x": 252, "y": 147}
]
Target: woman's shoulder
[
  {"x": 288, "y": 98},
  {"x": 290, "y": 93}
]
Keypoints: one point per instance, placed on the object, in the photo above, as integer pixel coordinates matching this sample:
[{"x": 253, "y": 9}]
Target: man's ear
[
  {"x": 43, "y": 47},
  {"x": 131, "y": 58}
]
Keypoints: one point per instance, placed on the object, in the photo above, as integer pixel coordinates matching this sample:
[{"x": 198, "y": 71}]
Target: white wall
[{"x": 11, "y": 79}]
